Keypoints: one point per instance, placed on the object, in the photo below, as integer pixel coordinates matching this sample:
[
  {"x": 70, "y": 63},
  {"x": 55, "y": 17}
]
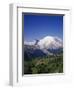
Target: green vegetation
[{"x": 46, "y": 64}]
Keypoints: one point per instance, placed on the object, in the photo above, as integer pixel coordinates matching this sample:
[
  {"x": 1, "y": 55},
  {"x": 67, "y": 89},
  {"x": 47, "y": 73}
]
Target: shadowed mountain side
[{"x": 32, "y": 52}]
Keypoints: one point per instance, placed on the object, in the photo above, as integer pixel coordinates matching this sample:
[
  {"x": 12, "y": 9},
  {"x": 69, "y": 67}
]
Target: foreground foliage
[{"x": 46, "y": 64}]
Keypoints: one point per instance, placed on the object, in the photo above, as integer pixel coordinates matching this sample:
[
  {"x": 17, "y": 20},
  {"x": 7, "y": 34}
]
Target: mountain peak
[{"x": 50, "y": 42}]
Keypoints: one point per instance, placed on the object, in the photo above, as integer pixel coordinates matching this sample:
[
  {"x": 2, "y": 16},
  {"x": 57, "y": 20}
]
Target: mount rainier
[{"x": 48, "y": 45}]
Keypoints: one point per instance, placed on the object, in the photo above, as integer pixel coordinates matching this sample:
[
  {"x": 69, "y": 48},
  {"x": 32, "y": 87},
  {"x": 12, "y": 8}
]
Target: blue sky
[{"x": 39, "y": 26}]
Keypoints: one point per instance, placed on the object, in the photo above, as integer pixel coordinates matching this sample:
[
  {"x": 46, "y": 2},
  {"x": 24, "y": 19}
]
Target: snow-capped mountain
[
  {"x": 50, "y": 42},
  {"x": 47, "y": 42},
  {"x": 46, "y": 46}
]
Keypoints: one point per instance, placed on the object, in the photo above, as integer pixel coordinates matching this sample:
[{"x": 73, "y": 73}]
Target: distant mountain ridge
[{"x": 47, "y": 42}]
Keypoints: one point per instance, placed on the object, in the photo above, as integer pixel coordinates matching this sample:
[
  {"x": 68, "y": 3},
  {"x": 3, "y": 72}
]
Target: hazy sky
[{"x": 39, "y": 26}]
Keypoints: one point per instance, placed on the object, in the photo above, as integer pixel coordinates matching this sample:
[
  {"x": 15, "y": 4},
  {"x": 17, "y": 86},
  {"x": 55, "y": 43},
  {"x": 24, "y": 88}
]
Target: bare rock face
[{"x": 37, "y": 41}]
